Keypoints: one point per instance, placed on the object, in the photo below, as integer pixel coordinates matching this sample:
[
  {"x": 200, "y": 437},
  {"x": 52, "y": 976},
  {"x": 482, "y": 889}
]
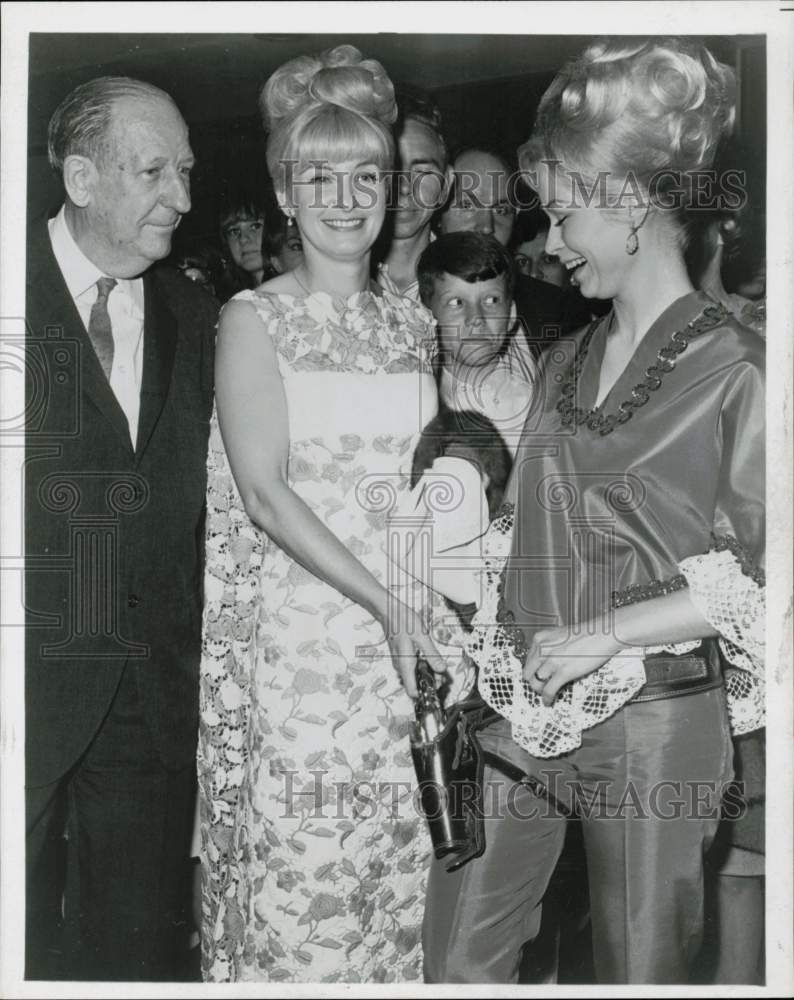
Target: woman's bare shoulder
[
  {"x": 247, "y": 316},
  {"x": 259, "y": 305},
  {"x": 281, "y": 284}
]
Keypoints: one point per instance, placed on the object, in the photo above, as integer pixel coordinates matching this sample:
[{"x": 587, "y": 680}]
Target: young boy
[
  {"x": 466, "y": 280},
  {"x": 465, "y": 452}
]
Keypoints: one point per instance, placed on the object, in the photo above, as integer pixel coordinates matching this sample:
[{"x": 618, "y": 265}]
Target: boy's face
[{"x": 473, "y": 318}]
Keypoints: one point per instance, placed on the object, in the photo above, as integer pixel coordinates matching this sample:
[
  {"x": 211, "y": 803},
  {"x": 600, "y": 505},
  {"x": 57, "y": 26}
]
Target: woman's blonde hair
[
  {"x": 333, "y": 106},
  {"x": 649, "y": 109}
]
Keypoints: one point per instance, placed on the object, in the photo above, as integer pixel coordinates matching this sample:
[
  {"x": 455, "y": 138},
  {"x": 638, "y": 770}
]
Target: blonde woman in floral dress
[{"x": 314, "y": 854}]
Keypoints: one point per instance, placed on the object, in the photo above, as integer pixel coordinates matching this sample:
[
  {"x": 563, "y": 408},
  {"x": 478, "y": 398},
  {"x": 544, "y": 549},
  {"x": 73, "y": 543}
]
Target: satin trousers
[{"x": 647, "y": 785}]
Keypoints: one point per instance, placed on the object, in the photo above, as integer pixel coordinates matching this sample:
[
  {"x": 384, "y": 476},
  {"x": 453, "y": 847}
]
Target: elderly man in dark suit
[{"x": 120, "y": 394}]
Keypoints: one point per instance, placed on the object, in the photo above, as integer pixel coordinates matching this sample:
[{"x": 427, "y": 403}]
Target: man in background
[
  {"x": 421, "y": 186},
  {"x": 485, "y": 199}
]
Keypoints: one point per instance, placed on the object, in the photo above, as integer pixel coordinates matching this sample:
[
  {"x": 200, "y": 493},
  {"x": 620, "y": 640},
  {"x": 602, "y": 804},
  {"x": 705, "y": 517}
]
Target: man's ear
[{"x": 79, "y": 178}]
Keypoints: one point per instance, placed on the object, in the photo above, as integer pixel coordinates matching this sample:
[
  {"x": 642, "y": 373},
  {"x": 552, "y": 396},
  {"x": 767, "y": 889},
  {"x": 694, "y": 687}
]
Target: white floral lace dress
[{"x": 314, "y": 853}]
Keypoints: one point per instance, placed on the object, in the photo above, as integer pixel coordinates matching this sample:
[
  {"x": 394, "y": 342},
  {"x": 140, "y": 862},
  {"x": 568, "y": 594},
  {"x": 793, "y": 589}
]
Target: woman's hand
[
  {"x": 556, "y": 657},
  {"x": 406, "y": 636}
]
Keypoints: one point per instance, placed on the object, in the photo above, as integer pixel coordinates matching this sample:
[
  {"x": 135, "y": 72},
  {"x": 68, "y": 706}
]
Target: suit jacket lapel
[
  {"x": 50, "y": 306},
  {"x": 159, "y": 348}
]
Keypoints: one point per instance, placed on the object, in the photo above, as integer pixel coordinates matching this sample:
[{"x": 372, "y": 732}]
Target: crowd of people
[{"x": 507, "y": 421}]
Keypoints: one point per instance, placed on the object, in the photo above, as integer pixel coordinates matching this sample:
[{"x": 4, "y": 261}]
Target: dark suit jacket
[
  {"x": 547, "y": 312},
  {"x": 113, "y": 536}
]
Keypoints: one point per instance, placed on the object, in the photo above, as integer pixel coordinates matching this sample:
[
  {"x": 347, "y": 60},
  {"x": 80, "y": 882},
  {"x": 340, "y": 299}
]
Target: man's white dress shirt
[{"x": 125, "y": 308}]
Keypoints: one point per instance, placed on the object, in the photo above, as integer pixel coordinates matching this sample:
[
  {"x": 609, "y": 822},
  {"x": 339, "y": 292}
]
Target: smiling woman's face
[
  {"x": 339, "y": 207},
  {"x": 589, "y": 240}
]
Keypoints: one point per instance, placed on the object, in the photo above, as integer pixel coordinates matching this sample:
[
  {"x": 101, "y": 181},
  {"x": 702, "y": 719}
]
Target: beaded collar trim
[
  {"x": 719, "y": 543},
  {"x": 637, "y": 592},
  {"x": 711, "y": 317}
]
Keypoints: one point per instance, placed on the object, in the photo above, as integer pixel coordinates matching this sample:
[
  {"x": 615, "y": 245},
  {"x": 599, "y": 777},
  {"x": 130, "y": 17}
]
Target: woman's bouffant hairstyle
[
  {"x": 333, "y": 106},
  {"x": 639, "y": 108}
]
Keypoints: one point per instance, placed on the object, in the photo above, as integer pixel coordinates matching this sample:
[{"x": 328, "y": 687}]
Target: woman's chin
[{"x": 589, "y": 286}]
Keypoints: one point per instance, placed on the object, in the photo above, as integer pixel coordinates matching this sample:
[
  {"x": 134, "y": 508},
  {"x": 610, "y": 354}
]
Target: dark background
[{"x": 487, "y": 87}]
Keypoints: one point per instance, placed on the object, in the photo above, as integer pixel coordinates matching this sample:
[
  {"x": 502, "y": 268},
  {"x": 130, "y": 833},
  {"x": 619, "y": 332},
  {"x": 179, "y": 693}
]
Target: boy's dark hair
[
  {"x": 473, "y": 431},
  {"x": 467, "y": 255}
]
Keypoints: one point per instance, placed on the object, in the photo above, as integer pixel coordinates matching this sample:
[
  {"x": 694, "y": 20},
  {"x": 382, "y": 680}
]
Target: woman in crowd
[
  {"x": 315, "y": 857},
  {"x": 637, "y": 544},
  {"x": 726, "y": 256},
  {"x": 528, "y": 244},
  {"x": 283, "y": 245},
  {"x": 242, "y": 232}
]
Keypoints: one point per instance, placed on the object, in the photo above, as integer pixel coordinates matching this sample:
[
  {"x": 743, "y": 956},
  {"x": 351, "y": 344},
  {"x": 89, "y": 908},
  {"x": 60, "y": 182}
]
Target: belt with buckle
[{"x": 671, "y": 676}]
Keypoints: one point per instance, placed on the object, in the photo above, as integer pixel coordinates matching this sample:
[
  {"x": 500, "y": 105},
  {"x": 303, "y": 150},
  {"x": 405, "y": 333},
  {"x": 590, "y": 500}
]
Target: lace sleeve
[
  {"x": 496, "y": 646},
  {"x": 730, "y": 594}
]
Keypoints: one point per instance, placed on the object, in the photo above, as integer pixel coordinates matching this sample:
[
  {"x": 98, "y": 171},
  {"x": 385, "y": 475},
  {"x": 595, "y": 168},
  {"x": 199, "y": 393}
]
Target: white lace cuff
[
  {"x": 544, "y": 731},
  {"x": 730, "y": 600},
  {"x": 731, "y": 597}
]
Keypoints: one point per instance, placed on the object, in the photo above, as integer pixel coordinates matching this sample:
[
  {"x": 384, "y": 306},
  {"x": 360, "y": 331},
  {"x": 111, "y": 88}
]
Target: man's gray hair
[{"x": 80, "y": 125}]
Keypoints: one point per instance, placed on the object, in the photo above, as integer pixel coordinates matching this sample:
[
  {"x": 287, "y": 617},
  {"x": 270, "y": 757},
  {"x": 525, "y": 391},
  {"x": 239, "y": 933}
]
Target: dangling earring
[{"x": 633, "y": 240}]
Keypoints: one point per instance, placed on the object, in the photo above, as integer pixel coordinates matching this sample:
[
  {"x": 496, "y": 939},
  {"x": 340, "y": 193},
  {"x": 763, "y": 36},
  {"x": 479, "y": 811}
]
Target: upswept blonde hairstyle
[
  {"x": 639, "y": 108},
  {"x": 333, "y": 106}
]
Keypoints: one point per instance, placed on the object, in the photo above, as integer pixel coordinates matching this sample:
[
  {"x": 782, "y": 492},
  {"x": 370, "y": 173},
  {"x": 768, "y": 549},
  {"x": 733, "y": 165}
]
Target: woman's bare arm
[{"x": 252, "y": 413}]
